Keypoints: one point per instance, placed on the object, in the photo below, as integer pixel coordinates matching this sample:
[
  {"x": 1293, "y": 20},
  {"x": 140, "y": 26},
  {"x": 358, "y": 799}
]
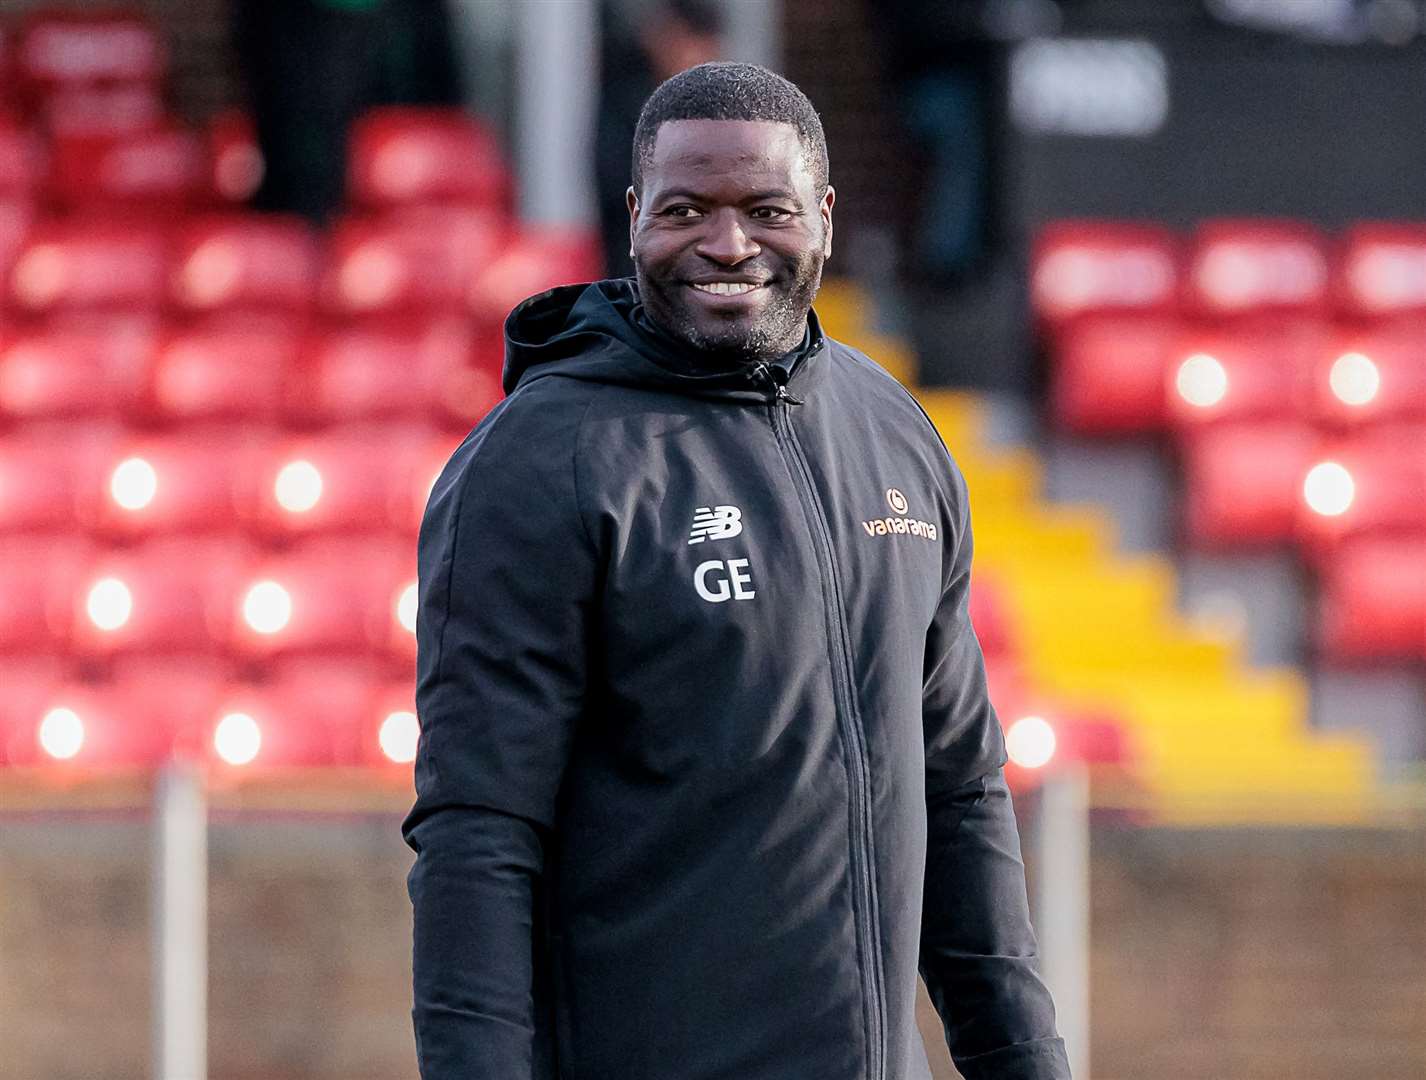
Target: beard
[{"x": 774, "y": 330}]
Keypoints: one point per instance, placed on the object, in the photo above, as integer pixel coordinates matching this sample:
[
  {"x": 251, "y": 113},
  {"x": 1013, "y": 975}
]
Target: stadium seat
[
  {"x": 183, "y": 482},
  {"x": 21, "y": 160},
  {"x": 420, "y": 259},
  {"x": 161, "y": 170},
  {"x": 60, "y": 46},
  {"x": 244, "y": 261},
  {"x": 219, "y": 373},
  {"x": 387, "y": 734},
  {"x": 1365, "y": 377},
  {"x": 171, "y": 595},
  {"x": 29, "y": 681},
  {"x": 1107, "y": 373},
  {"x": 301, "y": 717},
  {"x": 402, "y": 369},
  {"x": 234, "y": 157},
  {"x": 37, "y": 576},
  {"x": 1256, "y": 267},
  {"x": 105, "y": 110},
  {"x": 531, "y": 261},
  {"x": 47, "y": 471},
  {"x": 73, "y": 373},
  {"x": 1243, "y": 483},
  {"x": 1381, "y": 271},
  {"x": 338, "y": 596},
  {"x": 79, "y": 263},
  {"x": 991, "y": 618},
  {"x": 415, "y": 156},
  {"x": 352, "y": 479},
  {"x": 1243, "y": 374},
  {"x": 1373, "y": 482},
  {"x": 1080, "y": 267},
  {"x": 74, "y": 728},
  {"x": 1373, "y": 600}
]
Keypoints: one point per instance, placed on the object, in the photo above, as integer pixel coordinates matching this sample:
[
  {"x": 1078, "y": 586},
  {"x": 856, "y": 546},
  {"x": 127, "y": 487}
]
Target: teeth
[{"x": 727, "y": 288}]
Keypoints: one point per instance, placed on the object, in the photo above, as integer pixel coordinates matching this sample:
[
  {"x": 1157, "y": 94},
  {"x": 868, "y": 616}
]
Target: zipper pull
[{"x": 765, "y": 372}]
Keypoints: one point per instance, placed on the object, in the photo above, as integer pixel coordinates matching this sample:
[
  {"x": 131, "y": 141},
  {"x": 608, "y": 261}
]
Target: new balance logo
[{"x": 715, "y": 523}]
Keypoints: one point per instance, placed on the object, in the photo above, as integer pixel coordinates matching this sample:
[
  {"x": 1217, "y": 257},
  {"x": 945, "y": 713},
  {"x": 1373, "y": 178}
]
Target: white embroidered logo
[{"x": 715, "y": 523}]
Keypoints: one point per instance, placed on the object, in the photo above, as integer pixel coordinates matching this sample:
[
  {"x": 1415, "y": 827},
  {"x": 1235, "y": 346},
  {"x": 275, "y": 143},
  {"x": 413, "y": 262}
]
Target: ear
[
  {"x": 632, "y": 199},
  {"x": 826, "y": 210}
]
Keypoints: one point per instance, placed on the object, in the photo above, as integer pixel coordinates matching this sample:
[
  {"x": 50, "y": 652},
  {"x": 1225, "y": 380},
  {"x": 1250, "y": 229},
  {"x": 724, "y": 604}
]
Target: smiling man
[{"x": 707, "y": 767}]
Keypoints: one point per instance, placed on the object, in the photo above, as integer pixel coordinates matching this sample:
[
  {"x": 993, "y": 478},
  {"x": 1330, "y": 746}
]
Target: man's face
[{"x": 729, "y": 236}]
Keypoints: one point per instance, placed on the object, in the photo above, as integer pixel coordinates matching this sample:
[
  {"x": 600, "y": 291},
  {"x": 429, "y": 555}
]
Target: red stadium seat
[
  {"x": 1369, "y": 376},
  {"x": 47, "y": 472},
  {"x": 1255, "y": 267},
  {"x": 404, "y": 155},
  {"x": 1078, "y": 267},
  {"x": 418, "y": 260},
  {"x": 330, "y": 596},
  {"x": 72, "y": 373},
  {"x": 387, "y": 734},
  {"x": 159, "y": 170},
  {"x": 171, "y": 595},
  {"x": 533, "y": 260},
  {"x": 1244, "y": 483},
  {"x": 29, "y": 681},
  {"x": 1381, "y": 271},
  {"x": 184, "y": 482},
  {"x": 74, "y": 728},
  {"x": 396, "y": 370},
  {"x": 21, "y": 160},
  {"x": 16, "y": 218},
  {"x": 218, "y": 373},
  {"x": 105, "y": 110},
  {"x": 299, "y": 719},
  {"x": 1241, "y": 374},
  {"x": 245, "y": 261},
  {"x": 1108, "y": 373},
  {"x": 353, "y": 479},
  {"x": 37, "y": 577},
  {"x": 59, "y": 46},
  {"x": 88, "y": 264},
  {"x": 1373, "y": 482},
  {"x": 1373, "y": 600},
  {"x": 234, "y": 157},
  {"x": 991, "y": 617}
]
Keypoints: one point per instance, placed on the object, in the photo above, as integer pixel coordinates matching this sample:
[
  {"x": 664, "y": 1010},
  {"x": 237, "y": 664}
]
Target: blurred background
[{"x": 1156, "y": 269}]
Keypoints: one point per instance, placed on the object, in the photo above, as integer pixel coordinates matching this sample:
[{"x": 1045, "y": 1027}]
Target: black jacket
[{"x": 707, "y": 768}]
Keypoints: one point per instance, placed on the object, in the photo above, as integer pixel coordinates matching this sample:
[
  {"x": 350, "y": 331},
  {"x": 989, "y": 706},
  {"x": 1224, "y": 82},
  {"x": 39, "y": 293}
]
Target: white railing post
[
  {"x": 180, "y": 924},
  {"x": 1062, "y": 903}
]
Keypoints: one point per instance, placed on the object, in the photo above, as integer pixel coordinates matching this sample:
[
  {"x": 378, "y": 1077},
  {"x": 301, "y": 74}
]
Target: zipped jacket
[{"x": 707, "y": 768}]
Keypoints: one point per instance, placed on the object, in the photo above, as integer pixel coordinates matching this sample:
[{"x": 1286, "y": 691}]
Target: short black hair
[{"x": 724, "y": 90}]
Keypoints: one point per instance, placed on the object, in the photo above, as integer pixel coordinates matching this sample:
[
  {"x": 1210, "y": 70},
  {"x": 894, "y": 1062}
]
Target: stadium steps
[{"x": 1219, "y": 742}]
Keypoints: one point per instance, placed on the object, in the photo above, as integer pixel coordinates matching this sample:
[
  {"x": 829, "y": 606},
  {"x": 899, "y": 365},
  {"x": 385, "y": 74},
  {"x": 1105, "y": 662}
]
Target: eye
[
  {"x": 680, "y": 210},
  {"x": 771, "y": 213}
]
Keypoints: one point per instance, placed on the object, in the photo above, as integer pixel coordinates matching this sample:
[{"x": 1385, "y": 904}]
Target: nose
[{"x": 725, "y": 241}]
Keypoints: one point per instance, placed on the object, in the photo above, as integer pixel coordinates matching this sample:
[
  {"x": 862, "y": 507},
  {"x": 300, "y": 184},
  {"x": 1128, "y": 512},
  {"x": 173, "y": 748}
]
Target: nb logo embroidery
[{"x": 715, "y": 523}]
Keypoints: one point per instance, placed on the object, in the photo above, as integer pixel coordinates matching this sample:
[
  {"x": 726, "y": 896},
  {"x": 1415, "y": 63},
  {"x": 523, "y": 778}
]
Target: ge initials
[{"x": 729, "y": 581}]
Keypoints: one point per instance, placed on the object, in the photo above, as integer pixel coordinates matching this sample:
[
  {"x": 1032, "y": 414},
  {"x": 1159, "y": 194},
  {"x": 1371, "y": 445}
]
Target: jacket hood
[{"x": 590, "y": 332}]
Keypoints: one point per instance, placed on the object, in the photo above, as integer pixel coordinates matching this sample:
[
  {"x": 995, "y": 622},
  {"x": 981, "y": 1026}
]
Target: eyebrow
[{"x": 755, "y": 196}]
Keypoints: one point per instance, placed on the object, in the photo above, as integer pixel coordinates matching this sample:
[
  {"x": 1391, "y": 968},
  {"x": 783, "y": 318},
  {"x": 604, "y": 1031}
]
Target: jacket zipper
[{"x": 839, "y": 642}]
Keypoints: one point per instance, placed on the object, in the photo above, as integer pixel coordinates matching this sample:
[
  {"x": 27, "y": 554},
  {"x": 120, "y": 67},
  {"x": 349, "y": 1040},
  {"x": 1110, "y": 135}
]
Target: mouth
[{"x": 727, "y": 288}]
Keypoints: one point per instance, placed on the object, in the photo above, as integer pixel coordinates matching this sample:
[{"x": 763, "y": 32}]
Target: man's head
[{"x": 730, "y": 213}]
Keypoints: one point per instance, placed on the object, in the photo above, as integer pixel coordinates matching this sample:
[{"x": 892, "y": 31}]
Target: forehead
[{"x": 757, "y": 154}]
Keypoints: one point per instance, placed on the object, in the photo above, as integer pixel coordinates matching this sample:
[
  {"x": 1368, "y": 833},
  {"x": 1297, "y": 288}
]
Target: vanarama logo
[{"x": 899, "y": 524}]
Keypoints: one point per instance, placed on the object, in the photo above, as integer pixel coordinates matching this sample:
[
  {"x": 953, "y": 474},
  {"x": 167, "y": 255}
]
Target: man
[{"x": 707, "y": 767}]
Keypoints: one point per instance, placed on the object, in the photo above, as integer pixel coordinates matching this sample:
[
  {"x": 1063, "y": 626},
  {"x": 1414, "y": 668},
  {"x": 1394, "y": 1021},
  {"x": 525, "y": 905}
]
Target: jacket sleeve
[
  {"x": 507, "y": 579},
  {"x": 978, "y": 951}
]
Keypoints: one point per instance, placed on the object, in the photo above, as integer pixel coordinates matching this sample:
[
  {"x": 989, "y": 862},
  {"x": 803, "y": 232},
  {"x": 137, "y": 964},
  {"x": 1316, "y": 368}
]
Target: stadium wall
[{"x": 1239, "y": 954}]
